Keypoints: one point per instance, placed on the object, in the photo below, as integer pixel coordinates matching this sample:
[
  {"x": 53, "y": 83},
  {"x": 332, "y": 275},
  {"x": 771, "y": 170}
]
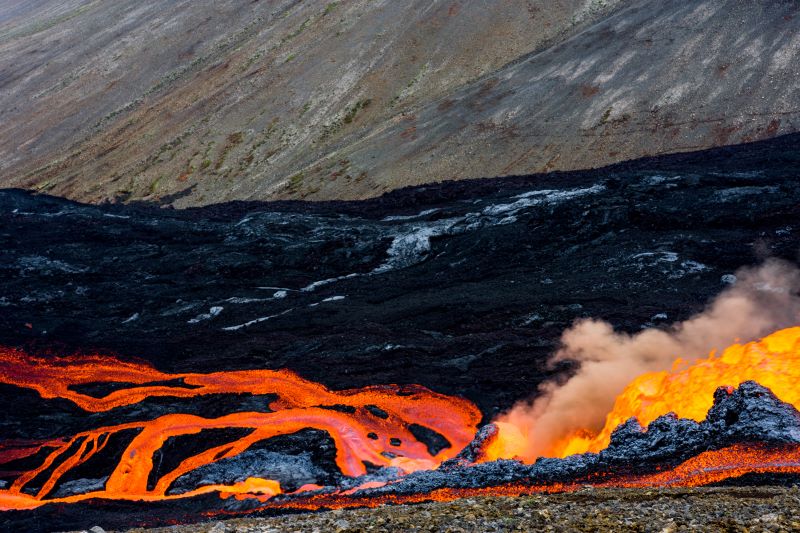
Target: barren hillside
[{"x": 194, "y": 102}]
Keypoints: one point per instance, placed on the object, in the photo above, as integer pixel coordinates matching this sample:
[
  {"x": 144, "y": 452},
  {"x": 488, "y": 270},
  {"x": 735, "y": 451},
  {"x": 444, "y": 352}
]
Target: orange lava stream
[
  {"x": 719, "y": 465},
  {"x": 686, "y": 390},
  {"x": 300, "y": 405}
]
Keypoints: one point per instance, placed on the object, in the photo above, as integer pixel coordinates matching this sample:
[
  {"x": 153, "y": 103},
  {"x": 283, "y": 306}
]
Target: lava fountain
[
  {"x": 646, "y": 374},
  {"x": 687, "y": 390}
]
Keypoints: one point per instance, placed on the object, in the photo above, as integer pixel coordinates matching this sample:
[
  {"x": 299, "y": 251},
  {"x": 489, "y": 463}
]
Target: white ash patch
[
  {"x": 213, "y": 312},
  {"x": 180, "y": 307},
  {"x": 400, "y": 218},
  {"x": 256, "y": 321},
  {"x": 133, "y": 318},
  {"x": 315, "y": 285}
]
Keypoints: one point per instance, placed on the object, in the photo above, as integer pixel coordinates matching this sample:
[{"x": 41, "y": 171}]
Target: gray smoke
[{"x": 762, "y": 300}]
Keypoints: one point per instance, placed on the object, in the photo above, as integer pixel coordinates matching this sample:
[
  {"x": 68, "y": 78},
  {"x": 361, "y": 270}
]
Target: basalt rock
[
  {"x": 79, "y": 486},
  {"x": 464, "y": 288},
  {"x": 749, "y": 414},
  {"x": 291, "y": 471},
  {"x": 473, "y": 451},
  {"x": 665, "y": 439},
  {"x": 752, "y": 413}
]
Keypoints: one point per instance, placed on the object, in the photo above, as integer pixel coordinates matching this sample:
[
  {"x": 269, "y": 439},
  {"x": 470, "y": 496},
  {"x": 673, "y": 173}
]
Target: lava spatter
[{"x": 686, "y": 390}]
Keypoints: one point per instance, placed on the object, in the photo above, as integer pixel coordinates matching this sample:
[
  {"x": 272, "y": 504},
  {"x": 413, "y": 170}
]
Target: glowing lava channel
[
  {"x": 301, "y": 404},
  {"x": 686, "y": 390}
]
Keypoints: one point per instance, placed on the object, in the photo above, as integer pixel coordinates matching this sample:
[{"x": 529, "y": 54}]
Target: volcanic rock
[
  {"x": 462, "y": 287},
  {"x": 666, "y": 438},
  {"x": 749, "y": 413},
  {"x": 291, "y": 471},
  {"x": 80, "y": 486},
  {"x": 380, "y": 475},
  {"x": 763, "y": 419},
  {"x": 752, "y": 412},
  {"x": 472, "y": 452}
]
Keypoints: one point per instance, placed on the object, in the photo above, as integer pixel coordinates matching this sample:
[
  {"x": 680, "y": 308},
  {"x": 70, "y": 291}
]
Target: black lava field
[{"x": 461, "y": 287}]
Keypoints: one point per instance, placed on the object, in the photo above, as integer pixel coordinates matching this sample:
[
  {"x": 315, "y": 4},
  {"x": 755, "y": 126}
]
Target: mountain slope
[
  {"x": 195, "y": 102},
  {"x": 150, "y": 98},
  {"x": 655, "y": 78}
]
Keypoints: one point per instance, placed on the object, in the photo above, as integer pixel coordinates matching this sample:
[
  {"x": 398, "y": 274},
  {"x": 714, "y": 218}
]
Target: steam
[{"x": 762, "y": 300}]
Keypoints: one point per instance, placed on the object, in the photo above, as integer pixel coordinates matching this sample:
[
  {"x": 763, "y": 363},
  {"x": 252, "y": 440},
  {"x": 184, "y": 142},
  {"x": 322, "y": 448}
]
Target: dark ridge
[
  {"x": 103, "y": 463},
  {"x": 434, "y": 441},
  {"x": 176, "y": 449},
  {"x": 103, "y": 389},
  {"x": 35, "y": 485}
]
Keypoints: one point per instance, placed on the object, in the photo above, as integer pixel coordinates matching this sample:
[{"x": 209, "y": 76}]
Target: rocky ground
[{"x": 746, "y": 509}]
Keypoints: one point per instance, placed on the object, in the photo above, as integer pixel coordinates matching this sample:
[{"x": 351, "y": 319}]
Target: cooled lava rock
[
  {"x": 762, "y": 419},
  {"x": 750, "y": 413},
  {"x": 474, "y": 450},
  {"x": 291, "y": 471},
  {"x": 462, "y": 287}
]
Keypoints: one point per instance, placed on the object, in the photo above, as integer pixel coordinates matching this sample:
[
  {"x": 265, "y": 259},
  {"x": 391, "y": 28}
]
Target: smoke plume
[{"x": 762, "y": 300}]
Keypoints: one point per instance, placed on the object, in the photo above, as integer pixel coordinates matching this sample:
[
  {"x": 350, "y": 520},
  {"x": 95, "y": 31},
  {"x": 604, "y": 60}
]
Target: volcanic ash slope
[{"x": 196, "y": 102}]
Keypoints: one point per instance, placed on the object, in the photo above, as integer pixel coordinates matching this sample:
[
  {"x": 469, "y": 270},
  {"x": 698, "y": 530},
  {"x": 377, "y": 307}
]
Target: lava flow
[
  {"x": 686, "y": 390},
  {"x": 364, "y": 424},
  {"x": 374, "y": 426}
]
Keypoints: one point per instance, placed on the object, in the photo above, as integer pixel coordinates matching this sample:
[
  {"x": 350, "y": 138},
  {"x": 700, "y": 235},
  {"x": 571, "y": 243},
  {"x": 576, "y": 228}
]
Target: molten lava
[
  {"x": 686, "y": 390},
  {"x": 347, "y": 416},
  {"x": 365, "y": 425}
]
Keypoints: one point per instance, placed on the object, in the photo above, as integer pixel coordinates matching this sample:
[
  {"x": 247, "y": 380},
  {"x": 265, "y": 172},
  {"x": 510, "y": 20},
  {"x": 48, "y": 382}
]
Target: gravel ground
[{"x": 749, "y": 509}]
